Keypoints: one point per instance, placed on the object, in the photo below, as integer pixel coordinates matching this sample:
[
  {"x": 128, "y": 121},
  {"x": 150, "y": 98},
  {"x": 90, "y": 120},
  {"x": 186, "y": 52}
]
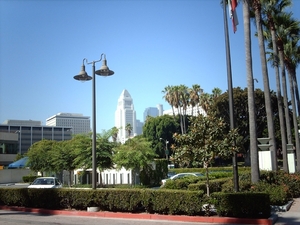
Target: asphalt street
[{"x": 22, "y": 218}]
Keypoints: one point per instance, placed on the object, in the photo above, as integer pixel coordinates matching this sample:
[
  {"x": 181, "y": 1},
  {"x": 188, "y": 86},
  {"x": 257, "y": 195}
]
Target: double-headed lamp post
[
  {"x": 83, "y": 76},
  {"x": 166, "y": 151}
]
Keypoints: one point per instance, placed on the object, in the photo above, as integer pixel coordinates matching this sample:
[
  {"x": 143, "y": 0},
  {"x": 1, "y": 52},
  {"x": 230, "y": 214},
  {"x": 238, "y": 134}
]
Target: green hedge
[
  {"x": 242, "y": 205},
  {"x": 162, "y": 201}
]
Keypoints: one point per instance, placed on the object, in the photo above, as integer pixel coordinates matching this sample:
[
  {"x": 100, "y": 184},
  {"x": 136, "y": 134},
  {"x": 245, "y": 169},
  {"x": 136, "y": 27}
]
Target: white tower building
[
  {"x": 125, "y": 114},
  {"x": 80, "y": 124}
]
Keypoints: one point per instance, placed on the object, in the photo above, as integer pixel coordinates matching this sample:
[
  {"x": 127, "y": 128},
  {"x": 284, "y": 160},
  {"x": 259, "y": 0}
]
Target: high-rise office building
[
  {"x": 153, "y": 111},
  {"x": 125, "y": 114},
  {"x": 80, "y": 124}
]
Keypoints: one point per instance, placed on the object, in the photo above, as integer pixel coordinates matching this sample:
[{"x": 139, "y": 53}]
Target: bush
[
  {"x": 242, "y": 205},
  {"x": 182, "y": 183},
  {"x": 29, "y": 179},
  {"x": 278, "y": 194}
]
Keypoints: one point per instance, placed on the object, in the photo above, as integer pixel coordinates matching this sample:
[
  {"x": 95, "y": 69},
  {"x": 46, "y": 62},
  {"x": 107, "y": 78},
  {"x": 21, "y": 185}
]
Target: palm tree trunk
[
  {"x": 285, "y": 98},
  {"x": 295, "y": 84},
  {"x": 267, "y": 94},
  {"x": 251, "y": 103},
  {"x": 294, "y": 120},
  {"x": 279, "y": 101}
]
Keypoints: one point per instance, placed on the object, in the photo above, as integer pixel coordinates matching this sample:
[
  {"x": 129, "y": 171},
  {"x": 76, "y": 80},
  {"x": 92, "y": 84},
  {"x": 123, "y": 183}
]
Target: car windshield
[{"x": 43, "y": 181}]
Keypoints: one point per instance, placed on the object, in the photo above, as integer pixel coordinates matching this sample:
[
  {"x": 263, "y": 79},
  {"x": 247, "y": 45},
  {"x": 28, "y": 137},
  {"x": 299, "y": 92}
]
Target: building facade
[
  {"x": 153, "y": 111},
  {"x": 18, "y": 138},
  {"x": 125, "y": 114},
  {"x": 80, "y": 124},
  {"x": 192, "y": 111}
]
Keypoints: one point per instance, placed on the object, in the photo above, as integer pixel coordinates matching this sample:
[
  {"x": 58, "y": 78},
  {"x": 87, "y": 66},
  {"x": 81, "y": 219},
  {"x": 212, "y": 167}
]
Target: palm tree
[
  {"x": 114, "y": 132},
  {"x": 256, "y": 4},
  {"x": 271, "y": 10},
  {"x": 216, "y": 92},
  {"x": 285, "y": 26},
  {"x": 184, "y": 103},
  {"x": 195, "y": 93},
  {"x": 168, "y": 91},
  {"x": 205, "y": 102},
  {"x": 251, "y": 103},
  {"x": 291, "y": 60},
  {"x": 128, "y": 128}
]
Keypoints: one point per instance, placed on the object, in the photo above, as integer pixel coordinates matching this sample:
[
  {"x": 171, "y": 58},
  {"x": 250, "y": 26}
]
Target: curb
[{"x": 120, "y": 215}]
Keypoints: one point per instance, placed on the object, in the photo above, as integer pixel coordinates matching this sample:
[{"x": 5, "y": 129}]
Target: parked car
[
  {"x": 46, "y": 182},
  {"x": 181, "y": 175}
]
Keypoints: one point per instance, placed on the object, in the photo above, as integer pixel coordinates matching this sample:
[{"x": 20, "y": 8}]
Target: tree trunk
[
  {"x": 251, "y": 103},
  {"x": 279, "y": 101},
  {"x": 294, "y": 119},
  {"x": 285, "y": 98},
  {"x": 267, "y": 94}
]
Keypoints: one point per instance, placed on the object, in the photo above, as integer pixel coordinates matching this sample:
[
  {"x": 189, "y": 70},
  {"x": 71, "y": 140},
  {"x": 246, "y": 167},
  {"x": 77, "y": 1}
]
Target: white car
[
  {"x": 180, "y": 175},
  {"x": 45, "y": 182}
]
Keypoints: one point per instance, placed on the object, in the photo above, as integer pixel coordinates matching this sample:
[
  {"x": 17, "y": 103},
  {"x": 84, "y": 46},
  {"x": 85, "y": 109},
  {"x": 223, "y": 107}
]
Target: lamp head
[
  {"x": 82, "y": 76},
  {"x": 104, "y": 70}
]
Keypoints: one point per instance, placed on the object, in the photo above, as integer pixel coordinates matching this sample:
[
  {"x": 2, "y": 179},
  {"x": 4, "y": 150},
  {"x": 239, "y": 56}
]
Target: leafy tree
[
  {"x": 63, "y": 157},
  {"x": 161, "y": 127},
  {"x": 38, "y": 156},
  {"x": 82, "y": 145},
  {"x": 135, "y": 154},
  {"x": 241, "y": 112},
  {"x": 204, "y": 141}
]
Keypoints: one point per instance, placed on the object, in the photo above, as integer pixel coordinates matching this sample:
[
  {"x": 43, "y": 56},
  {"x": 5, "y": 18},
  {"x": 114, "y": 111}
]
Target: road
[{"x": 23, "y": 218}]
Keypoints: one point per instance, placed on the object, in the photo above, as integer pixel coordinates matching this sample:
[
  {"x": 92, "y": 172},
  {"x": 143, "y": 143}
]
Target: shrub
[{"x": 278, "y": 193}]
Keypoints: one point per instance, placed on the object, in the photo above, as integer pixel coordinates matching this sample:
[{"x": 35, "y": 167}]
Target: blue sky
[{"x": 148, "y": 44}]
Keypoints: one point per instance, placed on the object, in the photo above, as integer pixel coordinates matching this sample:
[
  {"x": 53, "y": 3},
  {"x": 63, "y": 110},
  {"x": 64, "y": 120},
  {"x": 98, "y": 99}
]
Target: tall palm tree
[
  {"x": 114, "y": 133},
  {"x": 205, "y": 102},
  {"x": 216, "y": 92},
  {"x": 184, "y": 100},
  {"x": 291, "y": 61},
  {"x": 128, "y": 128},
  {"x": 271, "y": 9},
  {"x": 195, "y": 93},
  {"x": 251, "y": 103},
  {"x": 285, "y": 26},
  {"x": 256, "y": 4},
  {"x": 168, "y": 91}
]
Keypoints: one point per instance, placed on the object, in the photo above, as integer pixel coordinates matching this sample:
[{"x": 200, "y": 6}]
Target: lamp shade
[
  {"x": 82, "y": 76},
  {"x": 104, "y": 70}
]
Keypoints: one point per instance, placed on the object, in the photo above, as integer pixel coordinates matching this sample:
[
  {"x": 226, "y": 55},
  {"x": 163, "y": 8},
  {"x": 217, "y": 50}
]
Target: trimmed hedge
[
  {"x": 242, "y": 205},
  {"x": 162, "y": 201}
]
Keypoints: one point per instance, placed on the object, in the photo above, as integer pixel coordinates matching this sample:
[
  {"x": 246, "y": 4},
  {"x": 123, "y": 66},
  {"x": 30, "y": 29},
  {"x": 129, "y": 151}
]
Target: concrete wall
[{"x": 13, "y": 175}]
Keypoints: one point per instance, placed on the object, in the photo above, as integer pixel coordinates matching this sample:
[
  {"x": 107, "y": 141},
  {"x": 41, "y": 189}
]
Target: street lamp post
[
  {"x": 83, "y": 76},
  {"x": 166, "y": 151}
]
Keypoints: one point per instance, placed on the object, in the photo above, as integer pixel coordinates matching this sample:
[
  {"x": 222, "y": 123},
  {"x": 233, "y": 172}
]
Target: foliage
[
  {"x": 38, "y": 156},
  {"x": 161, "y": 127},
  {"x": 278, "y": 193},
  {"x": 242, "y": 205},
  {"x": 241, "y": 114},
  {"x": 82, "y": 145},
  {"x": 135, "y": 154},
  {"x": 152, "y": 178},
  {"x": 204, "y": 141}
]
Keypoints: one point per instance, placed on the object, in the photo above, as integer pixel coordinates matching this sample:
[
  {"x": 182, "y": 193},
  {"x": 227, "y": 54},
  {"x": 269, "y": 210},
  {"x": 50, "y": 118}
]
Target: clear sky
[{"x": 149, "y": 44}]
